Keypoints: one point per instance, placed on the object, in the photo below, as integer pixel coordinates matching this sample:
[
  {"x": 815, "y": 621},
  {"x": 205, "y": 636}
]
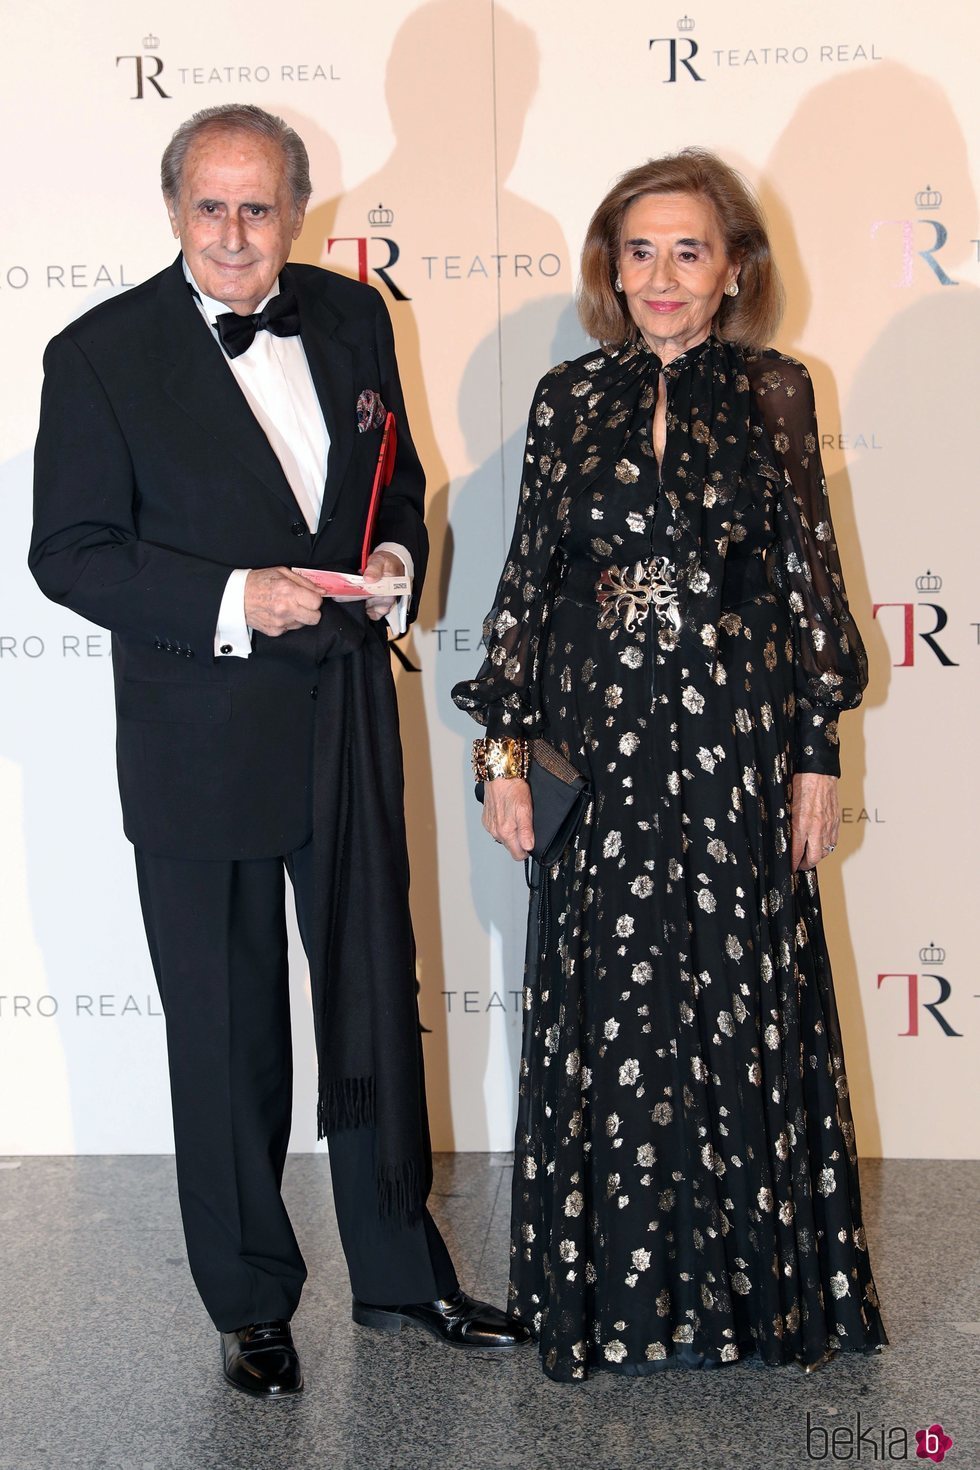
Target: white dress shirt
[{"x": 274, "y": 376}]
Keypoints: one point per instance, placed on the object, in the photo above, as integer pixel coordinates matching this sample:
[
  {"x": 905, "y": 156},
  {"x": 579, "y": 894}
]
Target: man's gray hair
[{"x": 237, "y": 117}]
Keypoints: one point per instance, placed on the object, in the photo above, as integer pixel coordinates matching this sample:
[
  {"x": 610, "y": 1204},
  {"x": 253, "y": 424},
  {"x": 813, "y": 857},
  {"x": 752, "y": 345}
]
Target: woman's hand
[
  {"x": 815, "y": 819},
  {"x": 507, "y": 814}
]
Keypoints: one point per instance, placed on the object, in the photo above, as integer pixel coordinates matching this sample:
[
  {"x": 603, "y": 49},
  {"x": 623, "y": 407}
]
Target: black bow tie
[{"x": 280, "y": 317}]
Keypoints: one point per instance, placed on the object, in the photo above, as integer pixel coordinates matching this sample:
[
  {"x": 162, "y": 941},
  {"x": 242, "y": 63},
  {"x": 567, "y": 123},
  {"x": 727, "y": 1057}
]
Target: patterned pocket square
[{"x": 371, "y": 412}]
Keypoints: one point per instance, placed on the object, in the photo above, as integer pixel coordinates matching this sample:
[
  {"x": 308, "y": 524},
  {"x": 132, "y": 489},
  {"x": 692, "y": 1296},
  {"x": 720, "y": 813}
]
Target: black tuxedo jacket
[{"x": 153, "y": 481}]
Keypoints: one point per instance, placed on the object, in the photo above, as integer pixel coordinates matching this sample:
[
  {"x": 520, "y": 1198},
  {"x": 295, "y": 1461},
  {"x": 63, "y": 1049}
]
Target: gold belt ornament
[{"x": 626, "y": 594}]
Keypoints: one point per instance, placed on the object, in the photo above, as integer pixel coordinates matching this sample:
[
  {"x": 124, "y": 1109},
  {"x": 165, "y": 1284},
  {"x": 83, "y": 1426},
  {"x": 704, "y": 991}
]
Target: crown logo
[
  {"x": 932, "y": 954},
  {"x": 928, "y": 198},
  {"x": 928, "y": 582},
  {"x": 151, "y": 42},
  {"x": 380, "y": 216},
  {"x": 685, "y": 23}
]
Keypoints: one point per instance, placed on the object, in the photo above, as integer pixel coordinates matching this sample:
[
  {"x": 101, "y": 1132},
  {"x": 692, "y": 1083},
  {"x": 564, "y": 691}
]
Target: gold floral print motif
[{"x": 678, "y": 1030}]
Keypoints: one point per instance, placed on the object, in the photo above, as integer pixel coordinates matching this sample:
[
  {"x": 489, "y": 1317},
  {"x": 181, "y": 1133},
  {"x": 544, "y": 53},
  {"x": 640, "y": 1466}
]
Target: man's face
[{"x": 235, "y": 217}]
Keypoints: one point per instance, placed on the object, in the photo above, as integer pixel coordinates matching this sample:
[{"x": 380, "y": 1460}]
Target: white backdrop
[{"x": 457, "y": 152}]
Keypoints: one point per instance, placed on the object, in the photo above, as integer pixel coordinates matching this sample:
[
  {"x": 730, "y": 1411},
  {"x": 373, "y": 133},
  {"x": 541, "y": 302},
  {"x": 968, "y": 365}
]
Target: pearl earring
[
  {"x": 619, "y": 283},
  {"x": 731, "y": 289}
]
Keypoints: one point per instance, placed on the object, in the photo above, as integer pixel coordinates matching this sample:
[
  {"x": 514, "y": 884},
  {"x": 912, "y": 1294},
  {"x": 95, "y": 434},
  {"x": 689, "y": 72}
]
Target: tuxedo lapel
[
  {"x": 199, "y": 380},
  {"x": 331, "y": 361}
]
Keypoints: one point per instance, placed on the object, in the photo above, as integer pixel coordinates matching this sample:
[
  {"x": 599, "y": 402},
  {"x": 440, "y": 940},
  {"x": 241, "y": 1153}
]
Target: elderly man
[{"x": 200, "y": 435}]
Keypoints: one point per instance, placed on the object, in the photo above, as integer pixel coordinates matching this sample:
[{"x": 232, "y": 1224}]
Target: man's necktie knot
[{"x": 280, "y": 317}]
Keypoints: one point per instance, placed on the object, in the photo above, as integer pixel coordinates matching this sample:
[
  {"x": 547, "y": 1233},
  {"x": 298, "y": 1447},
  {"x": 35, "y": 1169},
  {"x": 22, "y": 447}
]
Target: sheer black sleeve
[
  {"x": 503, "y": 696},
  {"x": 831, "y": 666}
]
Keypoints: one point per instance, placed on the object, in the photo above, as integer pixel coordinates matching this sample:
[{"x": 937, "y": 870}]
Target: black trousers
[{"x": 217, "y": 938}]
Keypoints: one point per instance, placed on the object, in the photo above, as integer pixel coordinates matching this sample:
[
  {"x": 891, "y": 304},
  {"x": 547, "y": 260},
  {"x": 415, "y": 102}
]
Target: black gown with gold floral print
[{"x": 686, "y": 1180}]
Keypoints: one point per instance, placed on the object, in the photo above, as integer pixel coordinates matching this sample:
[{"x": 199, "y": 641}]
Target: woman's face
[{"x": 674, "y": 269}]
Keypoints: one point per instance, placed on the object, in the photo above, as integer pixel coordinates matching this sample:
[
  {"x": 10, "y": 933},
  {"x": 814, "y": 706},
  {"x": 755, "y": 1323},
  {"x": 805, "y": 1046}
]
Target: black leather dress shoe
[
  {"x": 260, "y": 1359},
  {"x": 458, "y": 1320}
]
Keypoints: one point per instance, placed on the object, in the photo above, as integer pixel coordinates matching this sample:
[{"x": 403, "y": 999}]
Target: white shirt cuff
[
  {"x": 397, "y": 618},
  {"x": 233, "y": 637}
]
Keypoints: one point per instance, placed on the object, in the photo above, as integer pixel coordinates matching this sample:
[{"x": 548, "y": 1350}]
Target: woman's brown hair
[{"x": 751, "y": 317}]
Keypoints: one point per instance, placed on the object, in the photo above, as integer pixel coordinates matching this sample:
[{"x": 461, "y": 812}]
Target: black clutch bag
[{"x": 559, "y": 795}]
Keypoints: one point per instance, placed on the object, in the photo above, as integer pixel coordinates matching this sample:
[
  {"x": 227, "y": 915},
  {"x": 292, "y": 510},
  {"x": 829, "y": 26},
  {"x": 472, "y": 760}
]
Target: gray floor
[{"x": 108, "y": 1362}]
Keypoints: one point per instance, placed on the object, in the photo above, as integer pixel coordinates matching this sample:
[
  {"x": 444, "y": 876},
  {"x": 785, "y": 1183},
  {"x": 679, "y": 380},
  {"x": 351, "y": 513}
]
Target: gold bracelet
[{"x": 494, "y": 760}]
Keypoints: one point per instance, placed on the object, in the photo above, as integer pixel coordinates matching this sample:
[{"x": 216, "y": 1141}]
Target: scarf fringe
[
  {"x": 401, "y": 1193},
  {"x": 349, "y": 1103},
  {"x": 346, "y": 1103}
]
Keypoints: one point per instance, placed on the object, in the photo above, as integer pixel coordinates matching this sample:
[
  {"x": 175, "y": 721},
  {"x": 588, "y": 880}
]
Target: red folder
[
  {"x": 346, "y": 584},
  {"x": 383, "y": 472}
]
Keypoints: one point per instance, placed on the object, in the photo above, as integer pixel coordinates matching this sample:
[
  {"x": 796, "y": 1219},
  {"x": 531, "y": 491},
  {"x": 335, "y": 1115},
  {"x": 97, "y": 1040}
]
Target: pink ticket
[{"x": 352, "y": 584}]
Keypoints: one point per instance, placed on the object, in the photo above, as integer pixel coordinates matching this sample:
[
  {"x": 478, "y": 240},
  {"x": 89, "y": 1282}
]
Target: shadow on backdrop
[
  {"x": 878, "y": 317},
  {"x": 449, "y": 244}
]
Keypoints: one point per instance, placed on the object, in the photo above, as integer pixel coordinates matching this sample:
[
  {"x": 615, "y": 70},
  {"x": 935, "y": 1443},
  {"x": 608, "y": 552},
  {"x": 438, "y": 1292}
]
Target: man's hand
[
  {"x": 277, "y": 600},
  {"x": 382, "y": 564},
  {"x": 508, "y": 815},
  {"x": 815, "y": 820}
]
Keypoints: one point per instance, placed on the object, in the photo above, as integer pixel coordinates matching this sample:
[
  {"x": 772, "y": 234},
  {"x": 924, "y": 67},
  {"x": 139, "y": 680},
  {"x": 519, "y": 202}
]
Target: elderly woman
[{"x": 672, "y": 620}]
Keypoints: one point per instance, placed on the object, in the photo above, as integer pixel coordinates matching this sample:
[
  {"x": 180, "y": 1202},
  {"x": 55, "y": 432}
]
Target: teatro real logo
[
  {"x": 376, "y": 255},
  {"x": 148, "y": 69},
  {"x": 676, "y": 54},
  {"x": 918, "y": 985},
  {"x": 367, "y": 253},
  {"x": 681, "y": 50},
  {"x": 904, "y": 622},
  {"x": 145, "y": 68},
  {"x": 925, "y": 229}
]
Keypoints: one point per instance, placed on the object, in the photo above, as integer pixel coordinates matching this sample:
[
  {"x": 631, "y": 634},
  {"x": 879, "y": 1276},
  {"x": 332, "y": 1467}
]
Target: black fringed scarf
[{"x": 362, "y": 965}]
